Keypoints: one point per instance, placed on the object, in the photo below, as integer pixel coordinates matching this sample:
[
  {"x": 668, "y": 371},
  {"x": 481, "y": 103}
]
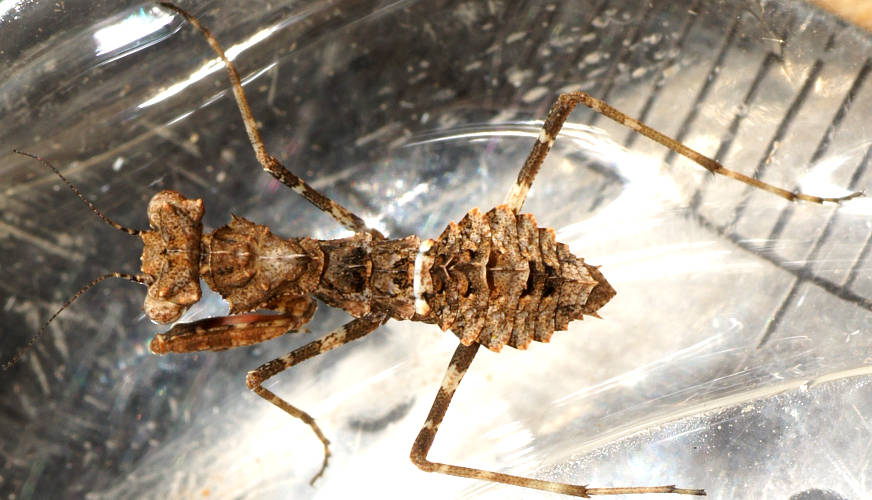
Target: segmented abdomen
[{"x": 498, "y": 279}]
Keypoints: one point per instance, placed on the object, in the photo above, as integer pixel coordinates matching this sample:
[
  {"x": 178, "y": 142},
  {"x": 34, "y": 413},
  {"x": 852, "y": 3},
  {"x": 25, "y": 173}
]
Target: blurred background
[{"x": 735, "y": 357}]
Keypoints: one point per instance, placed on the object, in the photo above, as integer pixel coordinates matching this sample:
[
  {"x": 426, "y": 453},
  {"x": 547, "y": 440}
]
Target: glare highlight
[
  {"x": 130, "y": 30},
  {"x": 209, "y": 67}
]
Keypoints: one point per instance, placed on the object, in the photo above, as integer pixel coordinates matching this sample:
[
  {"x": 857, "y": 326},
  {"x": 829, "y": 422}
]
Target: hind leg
[
  {"x": 460, "y": 362},
  {"x": 564, "y": 105}
]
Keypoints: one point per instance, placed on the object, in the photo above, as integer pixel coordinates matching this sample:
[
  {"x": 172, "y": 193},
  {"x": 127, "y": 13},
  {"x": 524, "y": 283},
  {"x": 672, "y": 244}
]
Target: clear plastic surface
[{"x": 735, "y": 357}]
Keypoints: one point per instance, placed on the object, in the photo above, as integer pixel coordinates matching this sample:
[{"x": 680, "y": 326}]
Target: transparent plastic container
[{"x": 734, "y": 358}]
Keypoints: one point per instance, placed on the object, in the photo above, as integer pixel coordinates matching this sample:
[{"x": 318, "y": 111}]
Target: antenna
[
  {"x": 93, "y": 207},
  {"x": 139, "y": 278}
]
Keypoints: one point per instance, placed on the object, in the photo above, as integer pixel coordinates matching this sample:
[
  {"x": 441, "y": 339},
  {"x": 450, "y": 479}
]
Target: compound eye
[{"x": 162, "y": 311}]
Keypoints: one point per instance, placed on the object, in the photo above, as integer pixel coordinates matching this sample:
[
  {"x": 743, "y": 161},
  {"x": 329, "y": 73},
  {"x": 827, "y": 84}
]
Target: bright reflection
[
  {"x": 857, "y": 206},
  {"x": 819, "y": 180},
  {"x": 131, "y": 29},
  {"x": 376, "y": 222},
  {"x": 210, "y": 67},
  {"x": 217, "y": 96},
  {"x": 590, "y": 137},
  {"x": 476, "y": 134},
  {"x": 413, "y": 193},
  {"x": 634, "y": 377},
  {"x": 6, "y": 6}
]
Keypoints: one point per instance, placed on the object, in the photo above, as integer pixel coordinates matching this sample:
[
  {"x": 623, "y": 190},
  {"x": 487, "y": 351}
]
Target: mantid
[{"x": 493, "y": 279}]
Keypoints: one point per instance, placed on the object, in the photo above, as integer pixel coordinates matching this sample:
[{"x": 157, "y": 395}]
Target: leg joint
[
  {"x": 253, "y": 379},
  {"x": 422, "y": 447},
  {"x": 420, "y": 460}
]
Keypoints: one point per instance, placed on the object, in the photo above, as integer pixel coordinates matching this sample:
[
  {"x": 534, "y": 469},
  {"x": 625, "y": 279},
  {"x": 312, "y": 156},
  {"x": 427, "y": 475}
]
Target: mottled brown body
[
  {"x": 495, "y": 279},
  {"x": 171, "y": 255},
  {"x": 253, "y": 269}
]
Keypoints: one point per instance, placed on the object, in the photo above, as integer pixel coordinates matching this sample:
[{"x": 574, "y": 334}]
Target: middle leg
[{"x": 351, "y": 331}]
